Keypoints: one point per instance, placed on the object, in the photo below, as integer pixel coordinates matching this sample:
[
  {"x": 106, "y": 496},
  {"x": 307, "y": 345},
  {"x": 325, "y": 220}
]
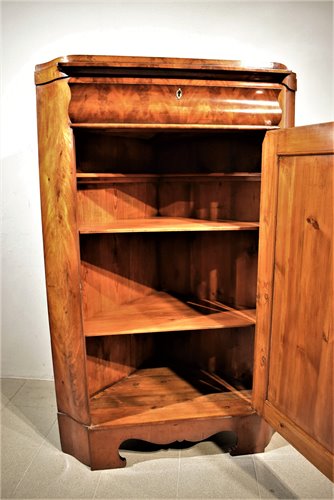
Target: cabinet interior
[
  {"x": 170, "y": 375},
  {"x": 154, "y": 151},
  {"x": 168, "y": 225}
]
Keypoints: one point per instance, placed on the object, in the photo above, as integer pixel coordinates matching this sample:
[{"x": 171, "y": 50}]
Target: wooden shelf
[
  {"x": 152, "y": 127},
  {"x": 166, "y": 225},
  {"x": 95, "y": 178},
  {"x": 161, "y": 395},
  {"x": 161, "y": 312},
  {"x": 92, "y": 178}
]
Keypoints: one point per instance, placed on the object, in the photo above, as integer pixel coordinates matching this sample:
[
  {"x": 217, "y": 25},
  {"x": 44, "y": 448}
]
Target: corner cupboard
[{"x": 188, "y": 253}]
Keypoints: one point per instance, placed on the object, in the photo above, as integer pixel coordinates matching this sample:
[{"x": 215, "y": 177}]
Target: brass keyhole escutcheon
[{"x": 178, "y": 94}]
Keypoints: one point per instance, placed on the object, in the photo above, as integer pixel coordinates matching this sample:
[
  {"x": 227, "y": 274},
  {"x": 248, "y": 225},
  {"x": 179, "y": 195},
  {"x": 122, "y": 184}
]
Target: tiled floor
[{"x": 34, "y": 467}]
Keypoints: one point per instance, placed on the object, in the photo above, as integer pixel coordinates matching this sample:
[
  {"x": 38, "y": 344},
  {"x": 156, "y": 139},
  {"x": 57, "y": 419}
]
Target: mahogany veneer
[{"x": 150, "y": 176}]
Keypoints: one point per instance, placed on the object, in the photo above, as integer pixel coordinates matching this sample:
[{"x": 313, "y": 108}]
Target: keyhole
[{"x": 178, "y": 94}]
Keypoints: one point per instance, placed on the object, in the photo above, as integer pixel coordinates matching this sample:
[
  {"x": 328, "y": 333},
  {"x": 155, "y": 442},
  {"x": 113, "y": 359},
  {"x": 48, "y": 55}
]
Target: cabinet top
[{"x": 154, "y": 67}]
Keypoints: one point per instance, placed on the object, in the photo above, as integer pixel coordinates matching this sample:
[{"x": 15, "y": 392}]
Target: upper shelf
[
  {"x": 95, "y": 178},
  {"x": 165, "y": 225},
  {"x": 99, "y": 65}
]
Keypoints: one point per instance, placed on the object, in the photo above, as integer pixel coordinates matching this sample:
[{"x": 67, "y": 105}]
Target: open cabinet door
[{"x": 293, "y": 379}]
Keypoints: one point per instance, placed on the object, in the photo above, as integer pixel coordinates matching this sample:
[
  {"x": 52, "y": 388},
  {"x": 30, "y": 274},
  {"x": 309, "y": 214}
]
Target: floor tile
[
  {"x": 137, "y": 451},
  {"x": 201, "y": 449},
  {"x": 13, "y": 467},
  {"x": 23, "y": 426},
  {"x": 217, "y": 476},
  {"x": 53, "y": 438},
  {"x": 277, "y": 442},
  {"x": 3, "y": 401},
  {"x": 22, "y": 434},
  {"x": 39, "y": 419},
  {"x": 53, "y": 474},
  {"x": 154, "y": 479},
  {"x": 34, "y": 467},
  {"x": 291, "y": 477},
  {"x": 38, "y": 393},
  {"x": 9, "y": 387},
  {"x": 276, "y": 449},
  {"x": 218, "y": 444}
]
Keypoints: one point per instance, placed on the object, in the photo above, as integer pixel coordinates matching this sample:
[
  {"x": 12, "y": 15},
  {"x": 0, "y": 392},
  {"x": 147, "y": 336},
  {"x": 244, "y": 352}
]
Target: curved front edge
[
  {"x": 179, "y": 102},
  {"x": 253, "y": 435}
]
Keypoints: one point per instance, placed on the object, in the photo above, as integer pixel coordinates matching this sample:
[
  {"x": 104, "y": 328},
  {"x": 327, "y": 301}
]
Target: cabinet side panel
[
  {"x": 287, "y": 102},
  {"x": 228, "y": 351},
  {"x": 264, "y": 297},
  {"x": 61, "y": 250},
  {"x": 109, "y": 359},
  {"x": 105, "y": 203},
  {"x": 116, "y": 269}
]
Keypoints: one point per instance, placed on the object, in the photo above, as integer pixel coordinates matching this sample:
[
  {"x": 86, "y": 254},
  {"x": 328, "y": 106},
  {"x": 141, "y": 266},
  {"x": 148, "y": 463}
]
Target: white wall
[{"x": 298, "y": 34}]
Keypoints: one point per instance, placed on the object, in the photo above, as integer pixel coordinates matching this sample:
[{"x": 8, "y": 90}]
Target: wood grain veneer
[
  {"x": 61, "y": 248},
  {"x": 147, "y": 103}
]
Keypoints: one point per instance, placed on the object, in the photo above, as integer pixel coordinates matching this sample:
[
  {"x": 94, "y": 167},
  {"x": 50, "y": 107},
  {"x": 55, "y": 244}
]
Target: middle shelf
[
  {"x": 165, "y": 224},
  {"x": 161, "y": 312},
  {"x": 171, "y": 281}
]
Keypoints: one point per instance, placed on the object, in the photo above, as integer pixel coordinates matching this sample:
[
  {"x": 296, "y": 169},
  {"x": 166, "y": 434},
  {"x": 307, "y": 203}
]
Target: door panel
[
  {"x": 300, "y": 333},
  {"x": 293, "y": 386}
]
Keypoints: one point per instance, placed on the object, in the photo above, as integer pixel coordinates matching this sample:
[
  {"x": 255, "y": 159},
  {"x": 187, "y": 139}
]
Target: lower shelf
[
  {"x": 161, "y": 312},
  {"x": 164, "y": 395}
]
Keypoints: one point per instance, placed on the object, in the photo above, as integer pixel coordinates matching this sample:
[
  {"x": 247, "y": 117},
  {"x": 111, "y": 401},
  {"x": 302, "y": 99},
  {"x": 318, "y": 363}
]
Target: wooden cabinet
[{"x": 150, "y": 173}]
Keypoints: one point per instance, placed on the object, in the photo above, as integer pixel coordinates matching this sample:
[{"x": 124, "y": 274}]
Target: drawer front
[{"x": 174, "y": 104}]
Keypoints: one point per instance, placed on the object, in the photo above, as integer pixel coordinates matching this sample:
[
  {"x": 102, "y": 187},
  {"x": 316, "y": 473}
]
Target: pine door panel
[
  {"x": 301, "y": 341},
  {"x": 293, "y": 386}
]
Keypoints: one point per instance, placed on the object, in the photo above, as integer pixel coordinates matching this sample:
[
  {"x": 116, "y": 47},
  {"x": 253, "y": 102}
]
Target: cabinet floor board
[{"x": 161, "y": 394}]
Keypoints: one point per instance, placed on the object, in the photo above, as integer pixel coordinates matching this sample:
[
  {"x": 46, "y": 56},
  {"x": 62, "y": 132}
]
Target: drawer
[{"x": 218, "y": 104}]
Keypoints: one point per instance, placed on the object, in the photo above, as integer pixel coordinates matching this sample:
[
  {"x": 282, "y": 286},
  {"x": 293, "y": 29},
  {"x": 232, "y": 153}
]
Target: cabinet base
[{"x": 98, "y": 447}]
